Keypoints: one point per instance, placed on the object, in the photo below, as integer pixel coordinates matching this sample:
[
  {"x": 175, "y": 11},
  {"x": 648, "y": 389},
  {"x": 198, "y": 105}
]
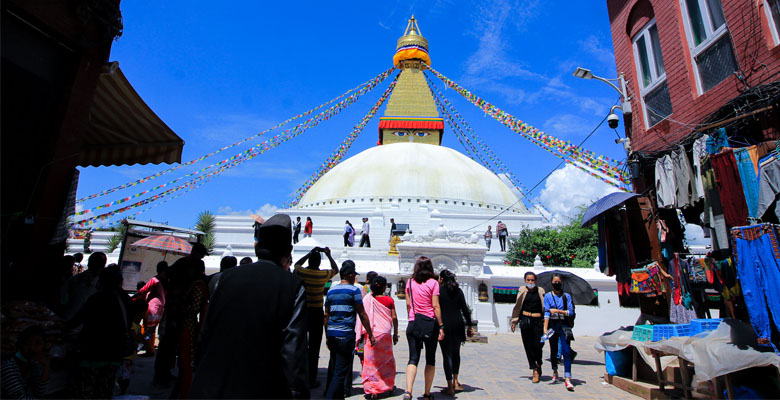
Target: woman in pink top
[
  {"x": 154, "y": 294},
  {"x": 422, "y": 298}
]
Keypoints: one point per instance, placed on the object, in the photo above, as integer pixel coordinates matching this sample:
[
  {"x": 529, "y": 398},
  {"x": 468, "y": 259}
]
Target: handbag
[
  {"x": 423, "y": 325},
  {"x": 569, "y": 319},
  {"x": 640, "y": 281},
  {"x": 525, "y": 322}
]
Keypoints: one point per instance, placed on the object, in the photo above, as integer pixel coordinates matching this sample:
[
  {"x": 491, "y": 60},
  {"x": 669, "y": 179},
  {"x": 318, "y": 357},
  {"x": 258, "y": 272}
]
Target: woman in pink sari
[{"x": 379, "y": 363}]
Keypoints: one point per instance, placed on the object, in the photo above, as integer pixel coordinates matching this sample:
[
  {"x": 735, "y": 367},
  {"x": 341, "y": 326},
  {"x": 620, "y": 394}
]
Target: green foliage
[
  {"x": 563, "y": 246},
  {"x": 113, "y": 242},
  {"x": 205, "y": 224}
]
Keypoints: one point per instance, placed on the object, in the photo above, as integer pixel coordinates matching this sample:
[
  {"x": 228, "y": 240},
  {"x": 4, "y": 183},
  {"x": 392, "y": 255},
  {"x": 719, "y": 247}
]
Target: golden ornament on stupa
[{"x": 412, "y": 45}]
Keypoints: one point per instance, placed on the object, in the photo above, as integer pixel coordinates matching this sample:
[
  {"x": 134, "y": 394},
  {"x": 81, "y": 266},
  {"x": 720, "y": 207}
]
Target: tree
[
  {"x": 565, "y": 246},
  {"x": 206, "y": 223}
]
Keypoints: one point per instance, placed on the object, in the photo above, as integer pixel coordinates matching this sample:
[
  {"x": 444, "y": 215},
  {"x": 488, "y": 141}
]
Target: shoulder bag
[{"x": 423, "y": 325}]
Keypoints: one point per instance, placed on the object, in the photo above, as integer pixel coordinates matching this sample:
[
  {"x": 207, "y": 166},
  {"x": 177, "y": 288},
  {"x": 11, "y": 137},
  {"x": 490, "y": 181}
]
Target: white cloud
[
  {"x": 567, "y": 125},
  {"x": 592, "y": 45},
  {"x": 266, "y": 210},
  {"x": 569, "y": 188}
]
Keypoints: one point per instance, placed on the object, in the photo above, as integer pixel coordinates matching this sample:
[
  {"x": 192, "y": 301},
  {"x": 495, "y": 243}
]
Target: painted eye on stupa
[
  {"x": 400, "y": 133},
  {"x": 422, "y": 134}
]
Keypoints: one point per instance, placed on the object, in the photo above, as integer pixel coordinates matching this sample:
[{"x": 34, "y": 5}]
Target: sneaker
[
  {"x": 536, "y": 376},
  {"x": 554, "y": 377},
  {"x": 569, "y": 385}
]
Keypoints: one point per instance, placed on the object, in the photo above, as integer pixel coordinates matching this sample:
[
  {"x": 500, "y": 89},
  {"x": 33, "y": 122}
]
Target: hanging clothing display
[
  {"x": 685, "y": 187},
  {"x": 757, "y": 256},
  {"x": 730, "y": 188},
  {"x": 717, "y": 141},
  {"x": 748, "y": 176},
  {"x": 768, "y": 186},
  {"x": 713, "y": 212},
  {"x": 665, "y": 190},
  {"x": 699, "y": 150}
]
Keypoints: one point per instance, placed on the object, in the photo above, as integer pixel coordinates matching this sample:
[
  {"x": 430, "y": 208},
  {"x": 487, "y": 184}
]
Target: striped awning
[{"x": 122, "y": 129}]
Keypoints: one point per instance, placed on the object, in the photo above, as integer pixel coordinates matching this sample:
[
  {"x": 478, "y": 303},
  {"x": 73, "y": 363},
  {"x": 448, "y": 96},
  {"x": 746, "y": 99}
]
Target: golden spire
[{"x": 412, "y": 45}]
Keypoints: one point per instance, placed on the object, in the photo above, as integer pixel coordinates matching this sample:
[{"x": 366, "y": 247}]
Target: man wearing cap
[
  {"x": 342, "y": 304},
  {"x": 253, "y": 341}
]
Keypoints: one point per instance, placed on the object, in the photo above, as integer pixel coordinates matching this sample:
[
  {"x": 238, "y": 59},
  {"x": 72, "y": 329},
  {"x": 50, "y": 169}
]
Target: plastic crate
[
  {"x": 701, "y": 325},
  {"x": 643, "y": 333},
  {"x": 661, "y": 332}
]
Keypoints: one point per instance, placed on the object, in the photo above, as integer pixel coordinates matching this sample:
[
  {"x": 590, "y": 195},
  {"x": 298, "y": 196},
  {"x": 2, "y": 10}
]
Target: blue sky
[{"x": 219, "y": 72}]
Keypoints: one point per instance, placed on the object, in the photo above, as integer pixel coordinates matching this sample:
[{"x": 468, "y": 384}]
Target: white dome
[{"x": 411, "y": 172}]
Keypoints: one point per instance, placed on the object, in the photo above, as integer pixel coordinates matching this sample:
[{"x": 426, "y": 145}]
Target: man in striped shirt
[
  {"x": 342, "y": 305},
  {"x": 314, "y": 280}
]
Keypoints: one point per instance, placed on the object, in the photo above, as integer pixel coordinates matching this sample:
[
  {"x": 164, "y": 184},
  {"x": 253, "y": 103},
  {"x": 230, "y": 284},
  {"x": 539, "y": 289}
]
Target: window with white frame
[
  {"x": 651, "y": 75},
  {"x": 772, "y": 9},
  {"x": 710, "y": 44}
]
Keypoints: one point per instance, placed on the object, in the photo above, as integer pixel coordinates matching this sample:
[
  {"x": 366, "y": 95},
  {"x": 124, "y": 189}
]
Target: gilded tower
[{"x": 411, "y": 114}]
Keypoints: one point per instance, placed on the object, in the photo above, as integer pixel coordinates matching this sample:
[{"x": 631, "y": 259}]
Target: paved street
[{"x": 496, "y": 370}]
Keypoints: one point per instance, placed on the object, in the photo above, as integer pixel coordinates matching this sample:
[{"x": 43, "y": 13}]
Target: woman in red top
[
  {"x": 307, "y": 229},
  {"x": 154, "y": 294}
]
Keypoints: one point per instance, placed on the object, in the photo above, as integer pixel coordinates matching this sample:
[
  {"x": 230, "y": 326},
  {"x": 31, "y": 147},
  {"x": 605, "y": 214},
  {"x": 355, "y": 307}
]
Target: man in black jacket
[{"x": 253, "y": 342}]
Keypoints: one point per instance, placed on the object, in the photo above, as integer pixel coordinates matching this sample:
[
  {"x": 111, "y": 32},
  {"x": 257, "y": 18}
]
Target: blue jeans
[
  {"x": 557, "y": 326},
  {"x": 341, "y": 356},
  {"x": 757, "y": 254}
]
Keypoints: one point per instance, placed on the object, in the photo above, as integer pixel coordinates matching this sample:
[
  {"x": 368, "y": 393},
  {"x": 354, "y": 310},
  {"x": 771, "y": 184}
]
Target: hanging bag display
[{"x": 641, "y": 281}]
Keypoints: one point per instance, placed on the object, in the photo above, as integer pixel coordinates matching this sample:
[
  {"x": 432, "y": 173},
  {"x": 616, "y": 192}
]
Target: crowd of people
[{"x": 254, "y": 329}]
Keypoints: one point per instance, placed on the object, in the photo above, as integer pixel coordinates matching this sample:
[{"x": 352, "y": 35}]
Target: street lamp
[{"x": 585, "y": 73}]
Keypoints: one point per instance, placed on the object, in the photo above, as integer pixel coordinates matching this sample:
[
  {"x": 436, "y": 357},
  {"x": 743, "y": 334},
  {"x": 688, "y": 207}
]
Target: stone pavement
[{"x": 497, "y": 370}]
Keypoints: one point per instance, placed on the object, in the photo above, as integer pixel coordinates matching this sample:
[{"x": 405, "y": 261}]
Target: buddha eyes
[{"x": 418, "y": 134}]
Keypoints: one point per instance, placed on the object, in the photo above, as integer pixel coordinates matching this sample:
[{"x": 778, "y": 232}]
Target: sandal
[{"x": 407, "y": 396}]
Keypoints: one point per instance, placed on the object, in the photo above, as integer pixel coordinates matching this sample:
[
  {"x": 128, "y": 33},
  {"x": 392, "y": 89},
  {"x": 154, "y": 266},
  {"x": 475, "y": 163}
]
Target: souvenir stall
[{"x": 728, "y": 186}]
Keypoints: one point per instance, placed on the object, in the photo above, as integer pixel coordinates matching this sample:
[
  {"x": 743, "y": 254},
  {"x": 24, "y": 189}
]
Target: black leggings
[
  {"x": 450, "y": 353},
  {"x": 532, "y": 341},
  {"x": 346, "y": 239},
  {"x": 416, "y": 346}
]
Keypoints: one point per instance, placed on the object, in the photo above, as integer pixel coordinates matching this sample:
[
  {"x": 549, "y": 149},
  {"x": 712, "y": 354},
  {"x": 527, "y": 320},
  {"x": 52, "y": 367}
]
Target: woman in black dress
[{"x": 456, "y": 317}]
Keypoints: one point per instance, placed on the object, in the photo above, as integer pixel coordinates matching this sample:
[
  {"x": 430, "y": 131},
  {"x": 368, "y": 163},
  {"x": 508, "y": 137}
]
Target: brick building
[{"x": 696, "y": 65}]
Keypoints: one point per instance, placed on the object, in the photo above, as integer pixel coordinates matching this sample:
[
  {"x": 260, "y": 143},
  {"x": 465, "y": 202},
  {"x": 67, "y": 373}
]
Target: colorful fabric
[
  {"x": 749, "y": 179},
  {"x": 757, "y": 256},
  {"x": 378, "y": 360},
  {"x": 732, "y": 198},
  {"x": 340, "y": 302},
  {"x": 410, "y": 52},
  {"x": 314, "y": 283},
  {"x": 154, "y": 294},
  {"x": 423, "y": 297},
  {"x": 640, "y": 281}
]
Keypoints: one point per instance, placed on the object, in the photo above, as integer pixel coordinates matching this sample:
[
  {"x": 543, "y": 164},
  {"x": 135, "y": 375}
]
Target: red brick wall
[{"x": 751, "y": 39}]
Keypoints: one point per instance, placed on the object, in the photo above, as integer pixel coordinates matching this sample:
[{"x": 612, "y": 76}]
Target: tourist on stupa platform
[
  {"x": 296, "y": 229},
  {"x": 378, "y": 361},
  {"x": 307, "y": 229},
  {"x": 348, "y": 233},
  {"x": 454, "y": 312},
  {"x": 342, "y": 306},
  {"x": 502, "y": 233},
  {"x": 314, "y": 280},
  {"x": 351, "y": 234},
  {"x": 425, "y": 324},
  {"x": 488, "y": 236},
  {"x": 365, "y": 239},
  {"x": 558, "y": 310},
  {"x": 154, "y": 294},
  {"x": 253, "y": 341},
  {"x": 528, "y": 313}
]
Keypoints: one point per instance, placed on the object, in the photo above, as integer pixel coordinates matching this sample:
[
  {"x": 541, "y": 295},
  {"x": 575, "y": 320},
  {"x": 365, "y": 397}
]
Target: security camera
[{"x": 613, "y": 120}]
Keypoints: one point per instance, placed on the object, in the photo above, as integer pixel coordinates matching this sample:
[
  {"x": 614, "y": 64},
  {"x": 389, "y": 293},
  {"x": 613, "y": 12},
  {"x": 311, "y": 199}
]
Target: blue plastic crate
[
  {"x": 661, "y": 332},
  {"x": 643, "y": 333},
  {"x": 701, "y": 325}
]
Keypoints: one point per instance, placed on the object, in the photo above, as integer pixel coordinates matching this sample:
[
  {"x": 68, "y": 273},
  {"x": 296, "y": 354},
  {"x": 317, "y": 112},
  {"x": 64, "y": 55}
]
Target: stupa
[{"x": 446, "y": 199}]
